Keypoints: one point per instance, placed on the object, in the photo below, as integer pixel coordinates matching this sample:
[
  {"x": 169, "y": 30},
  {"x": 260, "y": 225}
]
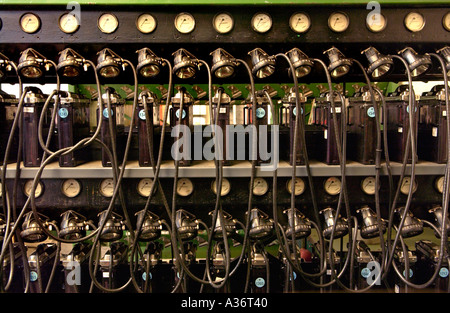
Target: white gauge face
[
  {"x": 260, "y": 186},
  {"x": 108, "y": 23},
  {"x": 29, "y": 185},
  {"x": 107, "y": 187},
  {"x": 332, "y": 186},
  {"x": 439, "y": 184},
  {"x": 144, "y": 187},
  {"x": 146, "y": 23},
  {"x": 446, "y": 21},
  {"x": 300, "y": 22},
  {"x": 368, "y": 185},
  {"x": 299, "y": 186},
  {"x": 71, "y": 188},
  {"x": 184, "y": 23},
  {"x": 223, "y": 23},
  {"x": 406, "y": 183},
  {"x": 69, "y": 23},
  {"x": 261, "y": 22},
  {"x": 414, "y": 22},
  {"x": 226, "y": 187},
  {"x": 185, "y": 187},
  {"x": 338, "y": 22},
  {"x": 376, "y": 22},
  {"x": 30, "y": 23}
]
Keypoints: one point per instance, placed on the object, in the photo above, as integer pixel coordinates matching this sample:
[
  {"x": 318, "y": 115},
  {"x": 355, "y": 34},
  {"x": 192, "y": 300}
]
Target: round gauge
[
  {"x": 30, "y": 23},
  {"x": 414, "y": 22},
  {"x": 368, "y": 185},
  {"x": 446, "y": 21},
  {"x": 108, "y": 23},
  {"x": 71, "y": 188},
  {"x": 261, "y": 22},
  {"x": 144, "y": 187},
  {"x": 260, "y": 186},
  {"x": 107, "y": 187},
  {"x": 69, "y": 23},
  {"x": 146, "y": 23},
  {"x": 299, "y": 186},
  {"x": 37, "y": 192},
  {"x": 376, "y": 22},
  {"x": 184, "y": 23},
  {"x": 185, "y": 187},
  {"x": 338, "y": 22},
  {"x": 406, "y": 183},
  {"x": 223, "y": 23},
  {"x": 226, "y": 187},
  {"x": 300, "y": 22},
  {"x": 332, "y": 186},
  {"x": 439, "y": 184}
]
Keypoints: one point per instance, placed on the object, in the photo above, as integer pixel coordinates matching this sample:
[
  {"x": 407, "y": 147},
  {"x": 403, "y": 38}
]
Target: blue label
[
  {"x": 294, "y": 111},
  {"x": 105, "y": 112},
  {"x": 365, "y": 272},
  {"x": 144, "y": 276},
  {"x": 443, "y": 272},
  {"x": 407, "y": 109},
  {"x": 33, "y": 276},
  {"x": 410, "y": 273},
  {"x": 260, "y": 282},
  {"x": 63, "y": 113},
  {"x": 177, "y": 114},
  {"x": 371, "y": 112},
  {"x": 260, "y": 112},
  {"x": 294, "y": 275},
  {"x": 142, "y": 114}
]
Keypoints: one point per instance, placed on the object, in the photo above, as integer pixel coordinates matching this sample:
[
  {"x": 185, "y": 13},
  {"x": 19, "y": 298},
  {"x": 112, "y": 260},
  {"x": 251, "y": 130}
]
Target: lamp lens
[
  {"x": 109, "y": 71},
  {"x": 224, "y": 71},
  {"x": 149, "y": 70},
  {"x": 31, "y": 72}
]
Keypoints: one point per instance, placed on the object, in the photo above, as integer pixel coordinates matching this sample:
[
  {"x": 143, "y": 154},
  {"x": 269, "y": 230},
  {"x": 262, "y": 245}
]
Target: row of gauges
[
  {"x": 71, "y": 188},
  {"x": 223, "y": 23}
]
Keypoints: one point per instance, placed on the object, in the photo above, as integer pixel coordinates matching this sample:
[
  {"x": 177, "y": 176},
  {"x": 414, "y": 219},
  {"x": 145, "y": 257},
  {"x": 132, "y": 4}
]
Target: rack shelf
[{"x": 200, "y": 169}]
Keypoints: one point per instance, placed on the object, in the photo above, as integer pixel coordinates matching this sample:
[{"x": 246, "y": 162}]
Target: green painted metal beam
[{"x": 223, "y": 2}]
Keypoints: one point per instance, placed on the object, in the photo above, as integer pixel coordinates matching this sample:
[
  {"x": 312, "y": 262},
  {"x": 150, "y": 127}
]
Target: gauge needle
[
  {"x": 145, "y": 20},
  {"x": 336, "y": 20},
  {"x": 261, "y": 20},
  {"x": 69, "y": 186},
  {"x": 298, "y": 21},
  {"x": 222, "y": 21}
]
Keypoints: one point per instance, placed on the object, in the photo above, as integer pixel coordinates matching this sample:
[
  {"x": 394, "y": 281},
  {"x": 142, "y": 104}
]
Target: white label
[
  {"x": 444, "y": 113},
  {"x": 434, "y": 132},
  {"x": 325, "y": 135},
  {"x": 223, "y": 110},
  {"x": 28, "y": 109},
  {"x": 338, "y": 110},
  {"x": 400, "y": 130},
  {"x": 106, "y": 274},
  {"x": 397, "y": 289}
]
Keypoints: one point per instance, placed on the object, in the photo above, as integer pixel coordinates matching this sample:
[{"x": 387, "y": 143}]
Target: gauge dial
[
  {"x": 108, "y": 23},
  {"x": 30, "y": 23},
  {"x": 332, "y": 186},
  {"x": 185, "y": 187},
  {"x": 71, "y": 188},
  {"x": 261, "y": 22},
  {"x": 439, "y": 184},
  {"x": 146, "y": 23},
  {"x": 223, "y": 23},
  {"x": 184, "y": 23},
  {"x": 414, "y": 22},
  {"x": 69, "y": 23},
  {"x": 376, "y": 22},
  {"x": 299, "y": 186},
  {"x": 300, "y": 22},
  {"x": 226, "y": 187},
  {"x": 338, "y": 22},
  {"x": 406, "y": 183},
  {"x": 368, "y": 185},
  {"x": 144, "y": 187},
  {"x": 446, "y": 21},
  {"x": 107, "y": 187},
  {"x": 260, "y": 186},
  {"x": 37, "y": 192}
]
